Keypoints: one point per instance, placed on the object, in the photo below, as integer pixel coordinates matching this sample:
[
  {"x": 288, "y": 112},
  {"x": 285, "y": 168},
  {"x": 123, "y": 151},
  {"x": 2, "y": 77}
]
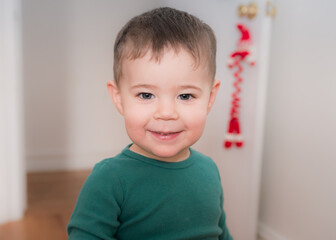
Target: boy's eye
[
  {"x": 186, "y": 96},
  {"x": 146, "y": 95}
]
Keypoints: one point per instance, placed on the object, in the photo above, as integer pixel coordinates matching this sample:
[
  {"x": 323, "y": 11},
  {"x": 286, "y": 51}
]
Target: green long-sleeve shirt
[{"x": 130, "y": 197}]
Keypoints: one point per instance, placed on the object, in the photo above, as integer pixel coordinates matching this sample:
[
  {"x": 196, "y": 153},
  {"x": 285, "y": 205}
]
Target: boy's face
[{"x": 164, "y": 104}]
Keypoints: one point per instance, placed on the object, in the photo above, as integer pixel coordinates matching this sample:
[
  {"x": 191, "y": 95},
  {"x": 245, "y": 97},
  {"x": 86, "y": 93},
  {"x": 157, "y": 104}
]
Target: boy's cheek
[
  {"x": 198, "y": 111},
  {"x": 136, "y": 115},
  {"x": 195, "y": 118},
  {"x": 136, "y": 110}
]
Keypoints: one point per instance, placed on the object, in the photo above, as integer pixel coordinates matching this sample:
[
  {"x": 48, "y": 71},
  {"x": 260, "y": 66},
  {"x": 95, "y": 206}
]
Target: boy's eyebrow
[
  {"x": 143, "y": 86},
  {"x": 190, "y": 86},
  {"x": 154, "y": 87}
]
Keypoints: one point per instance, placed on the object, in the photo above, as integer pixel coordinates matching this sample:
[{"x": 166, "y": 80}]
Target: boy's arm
[
  {"x": 98, "y": 207},
  {"x": 222, "y": 223}
]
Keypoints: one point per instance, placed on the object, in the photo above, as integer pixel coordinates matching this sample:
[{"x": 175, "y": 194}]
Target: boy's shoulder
[
  {"x": 116, "y": 163},
  {"x": 112, "y": 170},
  {"x": 202, "y": 157},
  {"x": 198, "y": 154}
]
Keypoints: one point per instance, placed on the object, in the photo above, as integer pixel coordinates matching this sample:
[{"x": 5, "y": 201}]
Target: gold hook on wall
[
  {"x": 249, "y": 11},
  {"x": 270, "y": 9}
]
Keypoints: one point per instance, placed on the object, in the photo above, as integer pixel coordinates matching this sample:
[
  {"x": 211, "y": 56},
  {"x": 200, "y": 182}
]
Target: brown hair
[{"x": 161, "y": 28}]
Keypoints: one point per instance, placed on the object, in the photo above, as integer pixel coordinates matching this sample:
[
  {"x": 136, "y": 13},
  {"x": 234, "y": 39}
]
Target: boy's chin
[
  {"x": 166, "y": 154},
  {"x": 169, "y": 157}
]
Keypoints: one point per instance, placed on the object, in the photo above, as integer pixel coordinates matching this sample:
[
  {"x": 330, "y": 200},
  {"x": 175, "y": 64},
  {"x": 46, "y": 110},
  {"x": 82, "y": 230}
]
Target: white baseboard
[{"x": 266, "y": 233}]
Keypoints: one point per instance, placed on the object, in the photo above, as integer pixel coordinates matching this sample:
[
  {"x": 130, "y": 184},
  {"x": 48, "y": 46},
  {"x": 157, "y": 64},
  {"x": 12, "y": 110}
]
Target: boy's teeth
[{"x": 161, "y": 133}]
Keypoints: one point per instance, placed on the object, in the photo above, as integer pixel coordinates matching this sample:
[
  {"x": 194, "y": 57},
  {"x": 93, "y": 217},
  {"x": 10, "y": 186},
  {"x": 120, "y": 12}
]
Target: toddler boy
[{"x": 158, "y": 187}]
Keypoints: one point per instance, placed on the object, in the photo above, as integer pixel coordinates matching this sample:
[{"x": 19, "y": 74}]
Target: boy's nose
[{"x": 166, "y": 110}]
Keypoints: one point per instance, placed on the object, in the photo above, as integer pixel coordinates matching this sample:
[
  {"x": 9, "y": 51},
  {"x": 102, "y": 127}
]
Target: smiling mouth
[{"x": 165, "y": 135}]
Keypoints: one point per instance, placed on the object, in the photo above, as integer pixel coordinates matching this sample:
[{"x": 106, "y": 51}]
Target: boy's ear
[
  {"x": 115, "y": 95},
  {"x": 213, "y": 94}
]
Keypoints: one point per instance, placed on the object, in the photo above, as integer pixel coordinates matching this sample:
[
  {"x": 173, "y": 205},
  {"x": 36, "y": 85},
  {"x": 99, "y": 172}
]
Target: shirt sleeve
[
  {"x": 222, "y": 223},
  {"x": 98, "y": 206}
]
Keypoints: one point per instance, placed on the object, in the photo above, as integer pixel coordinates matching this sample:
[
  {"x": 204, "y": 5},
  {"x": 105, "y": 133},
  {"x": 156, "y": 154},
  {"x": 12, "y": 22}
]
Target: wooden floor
[{"x": 51, "y": 199}]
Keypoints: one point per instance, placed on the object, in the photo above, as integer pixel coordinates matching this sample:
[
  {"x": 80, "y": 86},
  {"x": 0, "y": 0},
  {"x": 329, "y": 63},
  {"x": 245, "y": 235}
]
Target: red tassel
[{"x": 233, "y": 134}]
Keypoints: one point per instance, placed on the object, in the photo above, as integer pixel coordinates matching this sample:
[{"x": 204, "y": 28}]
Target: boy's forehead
[
  {"x": 173, "y": 70},
  {"x": 168, "y": 53}
]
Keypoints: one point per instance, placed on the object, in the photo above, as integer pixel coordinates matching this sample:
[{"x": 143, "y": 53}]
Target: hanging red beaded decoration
[{"x": 243, "y": 53}]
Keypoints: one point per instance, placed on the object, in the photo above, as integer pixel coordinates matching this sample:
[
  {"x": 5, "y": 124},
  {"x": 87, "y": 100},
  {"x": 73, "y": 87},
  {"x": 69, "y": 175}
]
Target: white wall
[
  {"x": 298, "y": 200},
  {"x": 68, "y": 54}
]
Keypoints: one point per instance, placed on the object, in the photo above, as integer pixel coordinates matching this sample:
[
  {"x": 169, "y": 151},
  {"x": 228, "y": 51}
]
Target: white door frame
[{"x": 12, "y": 163}]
